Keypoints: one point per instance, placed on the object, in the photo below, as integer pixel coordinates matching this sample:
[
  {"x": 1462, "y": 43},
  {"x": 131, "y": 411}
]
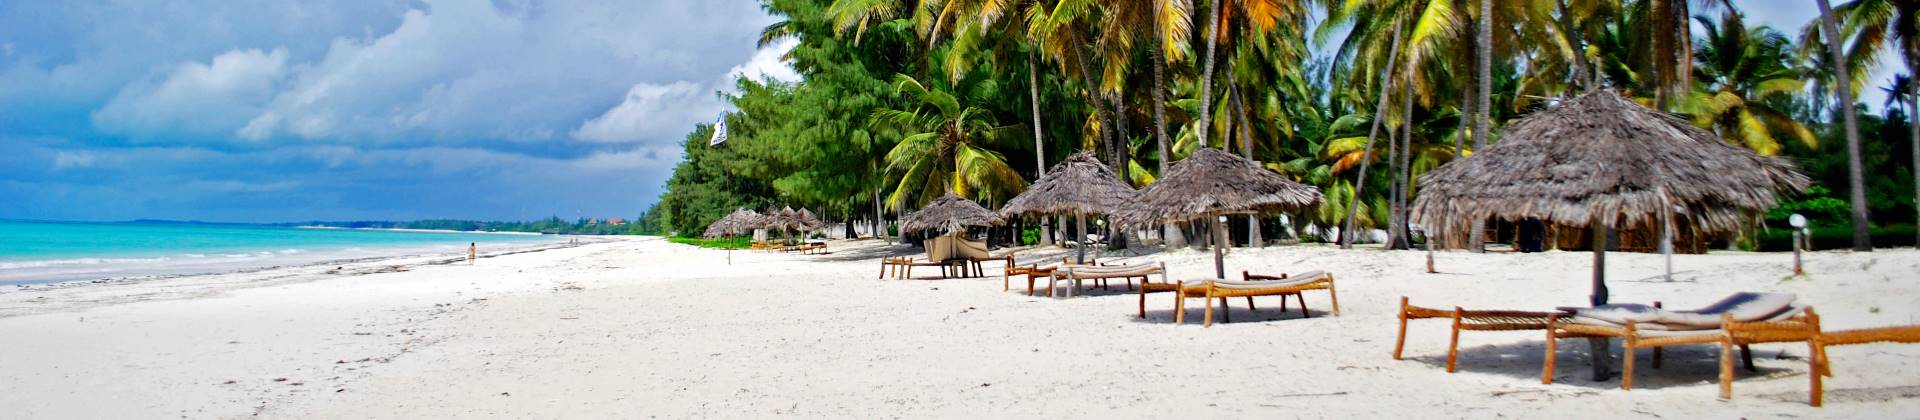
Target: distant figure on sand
[{"x": 472, "y": 252}]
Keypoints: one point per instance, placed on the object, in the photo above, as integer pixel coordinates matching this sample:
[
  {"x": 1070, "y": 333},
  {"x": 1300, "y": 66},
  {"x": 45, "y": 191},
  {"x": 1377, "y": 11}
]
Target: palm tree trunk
[
  {"x": 1093, "y": 96},
  {"x": 1039, "y": 138},
  {"x": 1913, "y": 134},
  {"x": 1122, "y": 162},
  {"x": 1366, "y": 156},
  {"x": 1862, "y": 241},
  {"x": 1206, "y": 75},
  {"x": 1400, "y": 167},
  {"x": 1571, "y": 35},
  {"x": 1483, "y": 50},
  {"x": 1171, "y": 236},
  {"x": 1246, "y": 149}
]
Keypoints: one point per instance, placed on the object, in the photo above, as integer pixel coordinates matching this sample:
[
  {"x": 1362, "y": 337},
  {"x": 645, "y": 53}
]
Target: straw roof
[
  {"x": 949, "y": 212},
  {"x": 788, "y": 218},
  {"x": 1078, "y": 184},
  {"x": 1216, "y": 182},
  {"x": 733, "y": 223},
  {"x": 1601, "y": 156}
]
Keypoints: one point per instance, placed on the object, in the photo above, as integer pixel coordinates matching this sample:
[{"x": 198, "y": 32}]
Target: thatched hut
[
  {"x": 1212, "y": 183},
  {"x": 1079, "y": 185},
  {"x": 949, "y": 213},
  {"x": 1605, "y": 162}
]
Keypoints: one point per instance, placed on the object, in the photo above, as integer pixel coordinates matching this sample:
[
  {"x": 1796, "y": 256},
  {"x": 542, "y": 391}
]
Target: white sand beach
[{"x": 642, "y": 327}]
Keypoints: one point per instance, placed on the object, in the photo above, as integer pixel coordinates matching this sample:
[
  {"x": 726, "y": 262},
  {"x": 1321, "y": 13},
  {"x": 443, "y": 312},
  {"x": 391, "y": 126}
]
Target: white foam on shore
[{"x": 91, "y": 269}]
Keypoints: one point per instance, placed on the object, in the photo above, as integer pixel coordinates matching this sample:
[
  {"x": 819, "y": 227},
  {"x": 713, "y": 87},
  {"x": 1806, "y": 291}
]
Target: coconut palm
[
  {"x": 1862, "y": 241},
  {"x": 945, "y": 144},
  {"x": 1744, "y": 73}
]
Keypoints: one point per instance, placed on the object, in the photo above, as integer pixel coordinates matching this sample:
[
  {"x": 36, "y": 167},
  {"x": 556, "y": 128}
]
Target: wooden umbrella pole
[
  {"x": 1080, "y": 221},
  {"x": 1599, "y": 348},
  {"x": 1220, "y": 241}
]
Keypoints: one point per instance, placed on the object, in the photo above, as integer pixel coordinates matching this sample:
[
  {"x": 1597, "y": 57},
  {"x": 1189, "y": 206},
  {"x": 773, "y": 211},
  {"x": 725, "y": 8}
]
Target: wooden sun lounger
[
  {"x": 1804, "y": 328},
  {"x": 1283, "y": 286},
  {"x": 1632, "y": 338},
  {"x": 1468, "y": 320},
  {"x": 1033, "y": 272},
  {"x": 902, "y": 267},
  {"x": 1100, "y": 273}
]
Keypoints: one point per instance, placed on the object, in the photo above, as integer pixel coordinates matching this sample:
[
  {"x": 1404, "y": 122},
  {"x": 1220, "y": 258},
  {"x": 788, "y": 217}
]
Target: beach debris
[
  {"x": 503, "y": 394},
  {"x": 279, "y": 379},
  {"x": 228, "y": 382}
]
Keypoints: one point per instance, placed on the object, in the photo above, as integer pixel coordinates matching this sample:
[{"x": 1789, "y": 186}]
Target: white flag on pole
[{"x": 719, "y": 131}]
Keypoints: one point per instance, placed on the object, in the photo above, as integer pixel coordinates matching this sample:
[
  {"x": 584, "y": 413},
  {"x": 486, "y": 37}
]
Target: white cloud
[
  {"x": 767, "y": 63},
  {"x": 72, "y": 159},
  {"x": 664, "y": 112},
  {"x": 197, "y": 98},
  {"x": 651, "y": 112}
]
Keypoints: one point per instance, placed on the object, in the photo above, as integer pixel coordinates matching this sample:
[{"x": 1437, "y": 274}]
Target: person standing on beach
[{"x": 473, "y": 252}]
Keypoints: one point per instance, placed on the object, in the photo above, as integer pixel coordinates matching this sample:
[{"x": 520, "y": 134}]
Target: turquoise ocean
[{"x": 45, "y": 252}]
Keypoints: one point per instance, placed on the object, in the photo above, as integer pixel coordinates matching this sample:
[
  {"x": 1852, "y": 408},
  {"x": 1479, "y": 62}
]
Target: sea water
[{"x": 45, "y": 252}]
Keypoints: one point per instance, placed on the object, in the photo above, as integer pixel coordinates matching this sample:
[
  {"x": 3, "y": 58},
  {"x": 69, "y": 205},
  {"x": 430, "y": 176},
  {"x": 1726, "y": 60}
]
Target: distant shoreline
[{"x": 436, "y": 231}]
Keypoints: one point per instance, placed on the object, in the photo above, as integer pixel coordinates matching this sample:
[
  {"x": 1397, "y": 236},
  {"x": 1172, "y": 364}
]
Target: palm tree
[
  {"x": 1876, "y": 21},
  {"x": 1903, "y": 95},
  {"x": 1744, "y": 73},
  {"x": 857, "y": 14},
  {"x": 1862, "y": 241},
  {"x": 945, "y": 145}
]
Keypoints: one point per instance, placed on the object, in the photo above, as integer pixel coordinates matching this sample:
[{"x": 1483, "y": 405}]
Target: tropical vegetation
[{"x": 901, "y": 101}]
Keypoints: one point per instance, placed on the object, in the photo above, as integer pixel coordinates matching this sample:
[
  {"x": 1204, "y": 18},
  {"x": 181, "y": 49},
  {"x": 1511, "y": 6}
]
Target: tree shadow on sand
[{"x": 1682, "y": 366}]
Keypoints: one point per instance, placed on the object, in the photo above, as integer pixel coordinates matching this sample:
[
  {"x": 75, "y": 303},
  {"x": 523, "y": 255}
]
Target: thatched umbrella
[
  {"x": 1212, "y": 183},
  {"x": 733, "y": 223},
  {"x": 949, "y": 212},
  {"x": 1077, "y": 186},
  {"x": 1602, "y": 161}
]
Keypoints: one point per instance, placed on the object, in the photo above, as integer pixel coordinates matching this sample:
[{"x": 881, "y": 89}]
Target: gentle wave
[{"x": 10, "y": 265}]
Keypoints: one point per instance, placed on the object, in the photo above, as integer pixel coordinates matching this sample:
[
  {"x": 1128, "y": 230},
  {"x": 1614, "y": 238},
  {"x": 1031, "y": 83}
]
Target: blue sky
[
  {"x": 262, "y": 111},
  {"x": 377, "y": 109}
]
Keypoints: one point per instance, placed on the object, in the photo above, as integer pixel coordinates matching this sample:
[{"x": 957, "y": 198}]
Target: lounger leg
[
  {"x": 1029, "y": 285},
  {"x": 1283, "y": 304},
  {"x": 1726, "y": 368},
  {"x": 1143, "y": 304},
  {"x": 1546, "y": 372},
  {"x": 1626, "y": 363},
  {"x": 1179, "y": 307},
  {"x": 1250, "y": 302},
  {"x": 1209, "y": 311},
  {"x": 1398, "y": 343},
  {"x": 1816, "y": 368},
  {"x": 1303, "y": 304},
  {"x": 1657, "y": 356},
  {"x": 1332, "y": 296},
  {"x": 1453, "y": 343},
  {"x": 1746, "y": 355}
]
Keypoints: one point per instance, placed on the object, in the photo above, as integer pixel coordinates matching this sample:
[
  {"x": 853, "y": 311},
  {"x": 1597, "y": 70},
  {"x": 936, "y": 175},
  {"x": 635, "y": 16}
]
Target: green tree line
[{"x": 901, "y": 101}]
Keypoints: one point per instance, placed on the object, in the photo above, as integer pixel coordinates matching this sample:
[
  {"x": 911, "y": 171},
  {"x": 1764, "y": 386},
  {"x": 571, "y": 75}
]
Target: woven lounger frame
[{"x": 1467, "y": 320}]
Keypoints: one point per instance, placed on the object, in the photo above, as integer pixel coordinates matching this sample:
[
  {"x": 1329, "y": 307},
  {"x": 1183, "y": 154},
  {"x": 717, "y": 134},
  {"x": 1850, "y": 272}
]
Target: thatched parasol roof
[
  {"x": 1078, "y": 184},
  {"x": 805, "y": 220},
  {"x": 949, "y": 212},
  {"x": 733, "y": 223},
  {"x": 788, "y": 218},
  {"x": 1216, "y": 182},
  {"x": 1601, "y": 156}
]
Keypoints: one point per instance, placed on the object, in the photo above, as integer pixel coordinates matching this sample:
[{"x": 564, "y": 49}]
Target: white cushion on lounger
[
  {"x": 1307, "y": 275},
  {"x": 1617, "y": 314},
  {"x": 1743, "y": 306},
  {"x": 1266, "y": 284}
]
